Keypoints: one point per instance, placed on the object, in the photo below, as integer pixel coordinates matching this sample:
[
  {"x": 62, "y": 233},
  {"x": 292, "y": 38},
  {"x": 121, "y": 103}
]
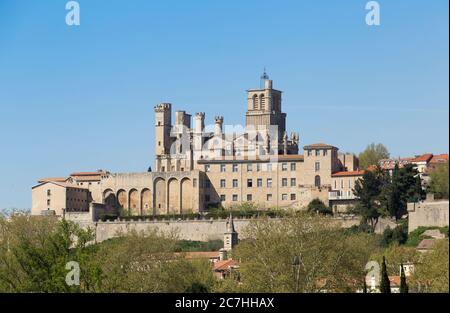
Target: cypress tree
[
  {"x": 385, "y": 284},
  {"x": 403, "y": 284}
]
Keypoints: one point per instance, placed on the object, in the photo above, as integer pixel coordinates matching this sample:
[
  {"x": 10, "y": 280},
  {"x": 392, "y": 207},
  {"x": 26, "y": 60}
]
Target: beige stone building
[{"x": 196, "y": 169}]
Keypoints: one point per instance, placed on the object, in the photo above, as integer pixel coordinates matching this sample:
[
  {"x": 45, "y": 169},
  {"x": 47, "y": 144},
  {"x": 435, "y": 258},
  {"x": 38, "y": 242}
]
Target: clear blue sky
[{"x": 81, "y": 98}]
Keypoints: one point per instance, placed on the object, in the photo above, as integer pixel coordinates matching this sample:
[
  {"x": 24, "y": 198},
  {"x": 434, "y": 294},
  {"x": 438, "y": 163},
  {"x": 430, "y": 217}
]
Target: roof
[
  {"x": 88, "y": 173},
  {"x": 423, "y": 158},
  {"x": 440, "y": 158},
  {"x": 220, "y": 266},
  {"x": 54, "y": 179},
  {"x": 426, "y": 244},
  {"x": 394, "y": 280},
  {"x": 250, "y": 159},
  {"x": 319, "y": 146},
  {"x": 202, "y": 254},
  {"x": 347, "y": 173},
  {"x": 60, "y": 184},
  {"x": 389, "y": 164}
]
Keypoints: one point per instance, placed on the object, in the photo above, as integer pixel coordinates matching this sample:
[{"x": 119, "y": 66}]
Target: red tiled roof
[
  {"x": 423, "y": 158},
  {"x": 440, "y": 158},
  {"x": 426, "y": 244},
  {"x": 202, "y": 254},
  {"x": 87, "y": 173},
  {"x": 347, "y": 173},
  {"x": 55, "y": 179},
  {"x": 224, "y": 265},
  {"x": 395, "y": 280}
]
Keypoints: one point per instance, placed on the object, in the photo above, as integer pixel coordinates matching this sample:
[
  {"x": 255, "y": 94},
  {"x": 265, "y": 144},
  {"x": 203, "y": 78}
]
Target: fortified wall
[
  {"x": 428, "y": 213},
  {"x": 193, "y": 229}
]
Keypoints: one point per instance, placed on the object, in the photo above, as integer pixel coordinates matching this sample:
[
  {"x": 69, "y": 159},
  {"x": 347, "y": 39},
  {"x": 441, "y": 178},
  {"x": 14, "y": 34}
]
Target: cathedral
[{"x": 196, "y": 169}]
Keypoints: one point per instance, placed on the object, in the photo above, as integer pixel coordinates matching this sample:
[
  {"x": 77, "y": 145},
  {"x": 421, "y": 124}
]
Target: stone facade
[
  {"x": 428, "y": 213},
  {"x": 196, "y": 169}
]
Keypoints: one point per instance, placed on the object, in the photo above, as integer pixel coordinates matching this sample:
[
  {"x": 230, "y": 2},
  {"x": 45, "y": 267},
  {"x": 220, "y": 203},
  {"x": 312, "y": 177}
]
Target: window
[
  {"x": 249, "y": 183},
  {"x": 269, "y": 182},
  {"x": 262, "y": 101},
  {"x": 317, "y": 166},
  {"x": 317, "y": 181},
  {"x": 269, "y": 167},
  {"x": 163, "y": 169},
  {"x": 222, "y": 168},
  {"x": 269, "y": 197},
  {"x": 309, "y": 152},
  {"x": 249, "y": 167},
  {"x": 249, "y": 197},
  {"x": 207, "y": 199},
  {"x": 235, "y": 167},
  {"x": 293, "y": 196},
  {"x": 235, "y": 183},
  {"x": 159, "y": 143},
  {"x": 284, "y": 197},
  {"x": 207, "y": 167},
  {"x": 223, "y": 197},
  {"x": 235, "y": 197},
  {"x": 49, "y": 192},
  {"x": 284, "y": 182},
  {"x": 335, "y": 184},
  {"x": 259, "y": 182},
  {"x": 48, "y": 202},
  {"x": 293, "y": 182},
  {"x": 342, "y": 183},
  {"x": 222, "y": 183},
  {"x": 325, "y": 152},
  {"x": 293, "y": 166},
  {"x": 284, "y": 166},
  {"x": 258, "y": 167},
  {"x": 317, "y": 152},
  {"x": 349, "y": 183}
]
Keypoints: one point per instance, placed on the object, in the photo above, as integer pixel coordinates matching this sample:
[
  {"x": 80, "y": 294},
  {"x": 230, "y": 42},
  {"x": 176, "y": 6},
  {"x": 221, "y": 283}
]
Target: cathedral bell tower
[{"x": 264, "y": 109}]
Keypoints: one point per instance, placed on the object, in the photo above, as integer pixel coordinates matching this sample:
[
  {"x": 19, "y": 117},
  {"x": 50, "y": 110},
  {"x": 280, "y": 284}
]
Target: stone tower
[
  {"x": 264, "y": 108},
  {"x": 230, "y": 236},
  {"x": 163, "y": 126}
]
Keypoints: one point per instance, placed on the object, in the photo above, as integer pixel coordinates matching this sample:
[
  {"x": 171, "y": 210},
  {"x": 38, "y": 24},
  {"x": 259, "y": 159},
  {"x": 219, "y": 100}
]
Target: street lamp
[{"x": 296, "y": 269}]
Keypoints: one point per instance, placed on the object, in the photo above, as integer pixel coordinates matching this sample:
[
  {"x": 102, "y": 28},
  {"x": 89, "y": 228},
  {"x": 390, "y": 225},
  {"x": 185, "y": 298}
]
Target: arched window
[
  {"x": 262, "y": 101},
  {"x": 255, "y": 102},
  {"x": 317, "y": 181}
]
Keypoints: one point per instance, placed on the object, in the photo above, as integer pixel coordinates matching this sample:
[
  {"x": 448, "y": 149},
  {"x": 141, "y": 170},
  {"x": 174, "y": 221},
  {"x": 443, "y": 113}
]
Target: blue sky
[{"x": 81, "y": 98}]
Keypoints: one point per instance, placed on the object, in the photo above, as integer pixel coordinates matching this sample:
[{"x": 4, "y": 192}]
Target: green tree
[
  {"x": 432, "y": 273},
  {"x": 403, "y": 284},
  {"x": 317, "y": 206},
  {"x": 329, "y": 258},
  {"x": 385, "y": 284},
  {"x": 439, "y": 181},
  {"x": 36, "y": 252},
  {"x": 367, "y": 190},
  {"x": 372, "y": 154},
  {"x": 404, "y": 186}
]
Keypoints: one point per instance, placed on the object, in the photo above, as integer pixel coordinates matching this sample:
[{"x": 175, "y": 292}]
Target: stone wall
[{"x": 427, "y": 213}]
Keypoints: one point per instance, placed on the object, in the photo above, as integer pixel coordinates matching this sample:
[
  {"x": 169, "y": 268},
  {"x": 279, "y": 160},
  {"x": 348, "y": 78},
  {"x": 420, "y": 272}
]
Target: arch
[
  {"x": 317, "y": 181},
  {"x": 187, "y": 193},
  {"x": 262, "y": 101},
  {"x": 173, "y": 191},
  {"x": 159, "y": 196},
  {"x": 122, "y": 199},
  {"x": 109, "y": 198},
  {"x": 133, "y": 202},
  {"x": 146, "y": 197},
  {"x": 255, "y": 102}
]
